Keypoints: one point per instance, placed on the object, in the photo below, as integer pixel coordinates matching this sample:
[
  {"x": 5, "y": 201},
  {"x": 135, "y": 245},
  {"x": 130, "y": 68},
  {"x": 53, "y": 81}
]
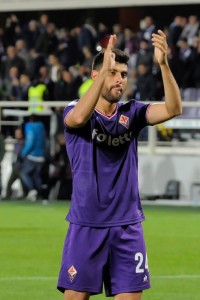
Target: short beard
[{"x": 110, "y": 98}]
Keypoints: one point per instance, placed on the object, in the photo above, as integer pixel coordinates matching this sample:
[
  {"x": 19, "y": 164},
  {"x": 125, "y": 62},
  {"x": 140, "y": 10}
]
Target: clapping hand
[
  {"x": 109, "y": 56},
  {"x": 160, "y": 44}
]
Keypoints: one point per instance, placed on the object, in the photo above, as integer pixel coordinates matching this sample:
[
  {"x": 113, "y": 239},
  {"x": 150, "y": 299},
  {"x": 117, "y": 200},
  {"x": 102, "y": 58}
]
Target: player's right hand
[{"x": 109, "y": 56}]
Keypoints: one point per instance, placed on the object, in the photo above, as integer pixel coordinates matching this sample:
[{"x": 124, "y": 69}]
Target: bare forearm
[
  {"x": 172, "y": 93},
  {"x": 159, "y": 113},
  {"x": 85, "y": 106}
]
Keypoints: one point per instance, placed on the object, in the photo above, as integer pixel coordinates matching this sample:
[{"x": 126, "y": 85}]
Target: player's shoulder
[
  {"x": 133, "y": 107},
  {"x": 126, "y": 105},
  {"x": 71, "y": 103},
  {"x": 70, "y": 106}
]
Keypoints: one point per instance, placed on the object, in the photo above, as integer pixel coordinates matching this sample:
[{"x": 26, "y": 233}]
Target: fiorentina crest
[
  {"x": 123, "y": 120},
  {"x": 72, "y": 273}
]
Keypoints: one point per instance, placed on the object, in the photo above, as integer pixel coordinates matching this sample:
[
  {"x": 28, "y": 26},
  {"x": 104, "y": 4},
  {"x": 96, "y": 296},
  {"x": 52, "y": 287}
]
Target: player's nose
[{"x": 118, "y": 78}]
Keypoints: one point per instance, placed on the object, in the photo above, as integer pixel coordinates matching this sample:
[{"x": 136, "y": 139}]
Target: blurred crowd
[{"x": 59, "y": 59}]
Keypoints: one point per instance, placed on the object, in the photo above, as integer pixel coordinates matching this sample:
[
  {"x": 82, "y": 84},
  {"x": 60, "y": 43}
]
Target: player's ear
[{"x": 94, "y": 74}]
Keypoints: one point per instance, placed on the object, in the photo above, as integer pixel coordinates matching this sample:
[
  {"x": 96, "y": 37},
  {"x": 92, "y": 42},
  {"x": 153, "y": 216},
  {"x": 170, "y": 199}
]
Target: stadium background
[
  {"x": 31, "y": 242},
  {"x": 163, "y": 13}
]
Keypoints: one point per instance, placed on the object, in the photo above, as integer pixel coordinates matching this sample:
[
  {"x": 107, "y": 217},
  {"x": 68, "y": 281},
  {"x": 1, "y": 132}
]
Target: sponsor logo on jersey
[
  {"x": 109, "y": 139},
  {"x": 72, "y": 273},
  {"x": 123, "y": 120},
  {"x": 145, "y": 279}
]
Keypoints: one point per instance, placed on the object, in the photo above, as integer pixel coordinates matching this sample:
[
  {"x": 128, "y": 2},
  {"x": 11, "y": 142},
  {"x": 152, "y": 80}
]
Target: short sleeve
[
  {"x": 139, "y": 111},
  {"x": 67, "y": 109}
]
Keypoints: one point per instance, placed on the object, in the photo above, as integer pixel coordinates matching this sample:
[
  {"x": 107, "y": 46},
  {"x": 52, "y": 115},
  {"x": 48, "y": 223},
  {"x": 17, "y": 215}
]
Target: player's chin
[
  {"x": 114, "y": 99},
  {"x": 117, "y": 96}
]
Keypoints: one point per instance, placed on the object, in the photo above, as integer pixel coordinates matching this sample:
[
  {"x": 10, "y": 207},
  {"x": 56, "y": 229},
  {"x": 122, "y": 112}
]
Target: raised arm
[
  {"x": 172, "y": 106},
  {"x": 81, "y": 113}
]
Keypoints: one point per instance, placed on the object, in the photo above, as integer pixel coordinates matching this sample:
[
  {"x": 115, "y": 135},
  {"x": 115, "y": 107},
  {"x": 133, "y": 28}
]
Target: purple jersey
[{"x": 104, "y": 163}]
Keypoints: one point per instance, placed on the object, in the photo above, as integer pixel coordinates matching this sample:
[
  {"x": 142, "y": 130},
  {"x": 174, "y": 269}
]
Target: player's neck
[{"x": 106, "y": 108}]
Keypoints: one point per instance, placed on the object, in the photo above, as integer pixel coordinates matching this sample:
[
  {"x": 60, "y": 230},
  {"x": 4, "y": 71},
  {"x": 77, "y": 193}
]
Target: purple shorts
[{"x": 114, "y": 256}]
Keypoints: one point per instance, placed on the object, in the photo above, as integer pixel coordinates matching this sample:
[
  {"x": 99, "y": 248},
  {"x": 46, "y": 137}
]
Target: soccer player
[{"x": 105, "y": 243}]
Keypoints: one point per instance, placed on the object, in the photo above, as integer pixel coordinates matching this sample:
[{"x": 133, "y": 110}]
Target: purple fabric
[
  {"x": 115, "y": 256},
  {"x": 104, "y": 162}
]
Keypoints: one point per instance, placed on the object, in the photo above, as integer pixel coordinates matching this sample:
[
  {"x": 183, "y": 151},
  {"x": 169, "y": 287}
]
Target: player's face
[{"x": 115, "y": 83}]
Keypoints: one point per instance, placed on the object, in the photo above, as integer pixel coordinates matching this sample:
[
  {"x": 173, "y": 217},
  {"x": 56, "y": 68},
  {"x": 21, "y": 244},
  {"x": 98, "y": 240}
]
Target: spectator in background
[
  {"x": 196, "y": 74},
  {"x": 131, "y": 46},
  {"x": 17, "y": 87},
  {"x": 148, "y": 28},
  {"x": 31, "y": 34},
  {"x": 145, "y": 54},
  {"x": 176, "y": 66},
  {"x": 187, "y": 55},
  {"x": 76, "y": 54},
  {"x": 65, "y": 87},
  {"x": 22, "y": 52},
  {"x": 18, "y": 33},
  {"x": 85, "y": 86},
  {"x": 83, "y": 80},
  {"x": 47, "y": 41},
  {"x": 23, "y": 87},
  {"x": 131, "y": 41},
  {"x": 191, "y": 29},
  {"x": 43, "y": 22},
  {"x": 87, "y": 37},
  {"x": 65, "y": 48},
  {"x": 174, "y": 32},
  {"x": 103, "y": 35},
  {"x": 55, "y": 67},
  {"x": 44, "y": 75},
  {"x": 2, "y": 42},
  {"x": 37, "y": 93},
  {"x": 60, "y": 172},
  {"x": 12, "y": 60},
  {"x": 2, "y": 152},
  {"x": 37, "y": 61},
  {"x": 33, "y": 155},
  {"x": 11, "y": 22},
  {"x": 88, "y": 58},
  {"x": 10, "y": 84},
  {"x": 118, "y": 30},
  {"x": 145, "y": 84},
  {"x": 9, "y": 92},
  {"x": 16, "y": 164}
]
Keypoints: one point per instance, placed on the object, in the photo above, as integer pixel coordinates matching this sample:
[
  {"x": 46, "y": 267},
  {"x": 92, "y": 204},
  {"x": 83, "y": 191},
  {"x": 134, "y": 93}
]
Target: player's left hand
[{"x": 160, "y": 44}]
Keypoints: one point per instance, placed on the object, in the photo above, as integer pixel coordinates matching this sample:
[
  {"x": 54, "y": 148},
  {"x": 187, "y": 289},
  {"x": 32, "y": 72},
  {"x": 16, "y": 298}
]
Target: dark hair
[{"x": 120, "y": 57}]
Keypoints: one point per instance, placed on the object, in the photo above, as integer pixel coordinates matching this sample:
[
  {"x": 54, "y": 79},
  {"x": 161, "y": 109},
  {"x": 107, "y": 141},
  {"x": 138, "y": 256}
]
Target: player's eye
[
  {"x": 124, "y": 74},
  {"x": 112, "y": 72}
]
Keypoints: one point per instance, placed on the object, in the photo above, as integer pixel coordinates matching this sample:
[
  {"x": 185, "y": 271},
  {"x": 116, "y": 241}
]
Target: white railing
[{"x": 152, "y": 146}]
